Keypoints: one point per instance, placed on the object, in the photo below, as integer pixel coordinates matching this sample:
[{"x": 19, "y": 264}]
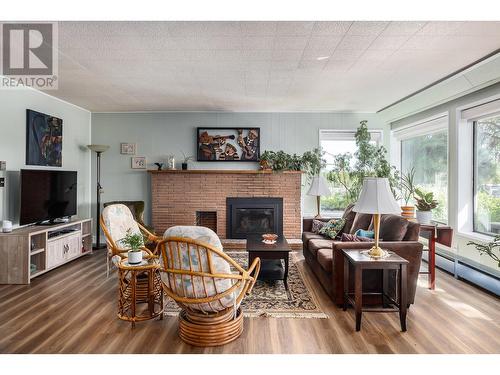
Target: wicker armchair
[
  {"x": 116, "y": 220},
  {"x": 197, "y": 274}
]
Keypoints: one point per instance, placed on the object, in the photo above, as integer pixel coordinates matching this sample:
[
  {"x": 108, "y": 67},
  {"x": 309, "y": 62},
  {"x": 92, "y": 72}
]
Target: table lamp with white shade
[
  {"x": 376, "y": 198},
  {"x": 319, "y": 188}
]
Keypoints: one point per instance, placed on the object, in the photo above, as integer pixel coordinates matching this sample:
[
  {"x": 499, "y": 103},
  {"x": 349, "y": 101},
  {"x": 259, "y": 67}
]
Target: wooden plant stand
[{"x": 139, "y": 284}]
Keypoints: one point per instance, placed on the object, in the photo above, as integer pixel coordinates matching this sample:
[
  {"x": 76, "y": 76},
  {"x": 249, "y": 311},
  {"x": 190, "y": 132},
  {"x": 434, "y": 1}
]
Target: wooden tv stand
[{"x": 45, "y": 246}]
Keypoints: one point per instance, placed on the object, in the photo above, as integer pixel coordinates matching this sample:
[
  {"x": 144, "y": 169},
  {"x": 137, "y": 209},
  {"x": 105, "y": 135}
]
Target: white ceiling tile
[
  {"x": 402, "y": 28},
  {"x": 127, "y": 66},
  {"x": 323, "y": 42},
  {"x": 346, "y": 54},
  {"x": 294, "y": 28},
  {"x": 367, "y": 28},
  {"x": 356, "y": 42},
  {"x": 441, "y": 28},
  {"x": 330, "y": 27},
  {"x": 286, "y": 54},
  {"x": 290, "y": 42},
  {"x": 253, "y": 28},
  {"x": 258, "y": 42},
  {"x": 389, "y": 42}
]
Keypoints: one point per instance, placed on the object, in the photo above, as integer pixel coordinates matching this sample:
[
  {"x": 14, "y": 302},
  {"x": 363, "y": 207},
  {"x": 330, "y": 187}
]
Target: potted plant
[
  {"x": 407, "y": 192},
  {"x": 186, "y": 160},
  {"x": 134, "y": 241},
  {"x": 425, "y": 203},
  {"x": 266, "y": 160}
]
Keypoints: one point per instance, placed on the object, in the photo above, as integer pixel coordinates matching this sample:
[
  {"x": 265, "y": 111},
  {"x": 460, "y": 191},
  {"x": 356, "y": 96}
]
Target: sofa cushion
[
  {"x": 325, "y": 259},
  {"x": 332, "y": 228},
  {"x": 393, "y": 227},
  {"x": 317, "y": 225},
  {"x": 361, "y": 221},
  {"x": 346, "y": 237},
  {"x": 412, "y": 232},
  {"x": 306, "y": 236},
  {"x": 348, "y": 216},
  {"x": 315, "y": 244}
]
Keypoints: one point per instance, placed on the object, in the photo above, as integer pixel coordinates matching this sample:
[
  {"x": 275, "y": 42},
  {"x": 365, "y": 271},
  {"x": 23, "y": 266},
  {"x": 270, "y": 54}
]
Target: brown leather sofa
[{"x": 324, "y": 255}]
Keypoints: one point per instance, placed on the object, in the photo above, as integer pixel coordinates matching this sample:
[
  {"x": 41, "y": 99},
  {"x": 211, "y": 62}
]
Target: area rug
[{"x": 270, "y": 299}]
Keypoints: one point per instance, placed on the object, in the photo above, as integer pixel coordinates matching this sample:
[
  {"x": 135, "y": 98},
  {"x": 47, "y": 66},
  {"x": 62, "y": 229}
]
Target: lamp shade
[
  {"x": 376, "y": 197},
  {"x": 98, "y": 148},
  {"x": 319, "y": 187}
]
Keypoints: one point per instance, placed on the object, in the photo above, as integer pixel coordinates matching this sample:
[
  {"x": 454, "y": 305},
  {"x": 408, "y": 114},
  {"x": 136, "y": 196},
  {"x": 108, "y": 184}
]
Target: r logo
[{"x": 27, "y": 49}]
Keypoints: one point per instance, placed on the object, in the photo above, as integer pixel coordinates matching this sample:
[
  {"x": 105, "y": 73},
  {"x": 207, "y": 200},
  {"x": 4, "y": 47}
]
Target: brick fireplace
[{"x": 180, "y": 197}]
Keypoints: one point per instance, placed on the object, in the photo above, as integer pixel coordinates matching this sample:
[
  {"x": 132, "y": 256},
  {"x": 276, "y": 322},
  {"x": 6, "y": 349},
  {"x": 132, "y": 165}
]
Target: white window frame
[
  {"x": 430, "y": 125},
  {"x": 466, "y": 115},
  {"x": 348, "y": 135}
]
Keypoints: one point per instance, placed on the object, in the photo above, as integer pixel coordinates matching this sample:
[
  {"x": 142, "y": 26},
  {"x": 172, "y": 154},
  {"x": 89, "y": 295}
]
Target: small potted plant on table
[
  {"x": 425, "y": 204},
  {"x": 135, "y": 242}
]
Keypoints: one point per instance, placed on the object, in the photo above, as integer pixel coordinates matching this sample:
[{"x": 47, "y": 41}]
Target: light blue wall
[
  {"x": 76, "y": 135},
  {"x": 160, "y": 134}
]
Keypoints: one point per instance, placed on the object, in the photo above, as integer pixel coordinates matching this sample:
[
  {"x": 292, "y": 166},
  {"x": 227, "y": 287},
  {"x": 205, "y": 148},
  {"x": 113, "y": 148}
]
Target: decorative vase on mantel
[{"x": 424, "y": 217}]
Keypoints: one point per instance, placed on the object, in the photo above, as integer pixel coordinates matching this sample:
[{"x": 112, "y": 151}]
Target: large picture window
[
  {"x": 333, "y": 143},
  {"x": 487, "y": 175},
  {"x": 428, "y": 155}
]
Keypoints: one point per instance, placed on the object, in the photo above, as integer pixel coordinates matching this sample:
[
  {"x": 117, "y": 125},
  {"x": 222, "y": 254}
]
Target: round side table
[{"x": 139, "y": 284}]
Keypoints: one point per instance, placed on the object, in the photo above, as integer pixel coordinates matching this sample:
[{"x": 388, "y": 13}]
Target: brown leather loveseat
[{"x": 324, "y": 255}]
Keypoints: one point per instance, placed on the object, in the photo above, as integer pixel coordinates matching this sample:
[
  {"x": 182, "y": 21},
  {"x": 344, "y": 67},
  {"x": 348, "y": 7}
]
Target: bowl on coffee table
[{"x": 269, "y": 238}]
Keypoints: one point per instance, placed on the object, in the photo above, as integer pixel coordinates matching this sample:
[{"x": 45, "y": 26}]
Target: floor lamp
[{"x": 98, "y": 149}]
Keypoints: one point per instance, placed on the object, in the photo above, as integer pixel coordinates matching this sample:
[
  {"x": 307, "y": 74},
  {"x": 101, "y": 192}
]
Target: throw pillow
[
  {"x": 317, "y": 225},
  {"x": 365, "y": 233},
  {"x": 332, "y": 228},
  {"x": 346, "y": 237}
]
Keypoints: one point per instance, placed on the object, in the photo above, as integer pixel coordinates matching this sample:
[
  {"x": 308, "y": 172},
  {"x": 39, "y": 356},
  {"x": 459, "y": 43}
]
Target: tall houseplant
[
  {"x": 407, "y": 192},
  {"x": 369, "y": 160}
]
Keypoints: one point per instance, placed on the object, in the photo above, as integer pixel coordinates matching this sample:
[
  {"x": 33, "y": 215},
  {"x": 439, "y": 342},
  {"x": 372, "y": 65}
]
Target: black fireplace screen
[{"x": 254, "y": 216}]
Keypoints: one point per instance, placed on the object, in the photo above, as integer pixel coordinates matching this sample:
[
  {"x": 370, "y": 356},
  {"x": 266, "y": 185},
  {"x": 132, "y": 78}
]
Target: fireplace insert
[{"x": 254, "y": 216}]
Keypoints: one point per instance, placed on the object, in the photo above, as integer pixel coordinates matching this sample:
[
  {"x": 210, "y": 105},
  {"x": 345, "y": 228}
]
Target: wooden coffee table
[{"x": 270, "y": 256}]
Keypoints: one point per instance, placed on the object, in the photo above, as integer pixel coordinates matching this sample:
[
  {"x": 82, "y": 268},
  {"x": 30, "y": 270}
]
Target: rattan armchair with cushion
[
  {"x": 116, "y": 220},
  {"x": 207, "y": 284}
]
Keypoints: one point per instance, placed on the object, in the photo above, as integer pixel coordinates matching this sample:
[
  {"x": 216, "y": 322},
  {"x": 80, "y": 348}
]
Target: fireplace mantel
[
  {"x": 178, "y": 195},
  {"x": 221, "y": 171}
]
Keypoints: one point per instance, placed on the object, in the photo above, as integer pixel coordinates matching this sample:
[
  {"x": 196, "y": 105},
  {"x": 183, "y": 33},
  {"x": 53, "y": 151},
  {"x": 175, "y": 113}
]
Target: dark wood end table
[
  {"x": 268, "y": 255},
  {"x": 435, "y": 234},
  {"x": 363, "y": 262},
  {"x": 139, "y": 284}
]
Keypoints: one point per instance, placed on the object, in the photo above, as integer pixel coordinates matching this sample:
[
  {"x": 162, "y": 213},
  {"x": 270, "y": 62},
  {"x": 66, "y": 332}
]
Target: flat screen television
[{"x": 47, "y": 195}]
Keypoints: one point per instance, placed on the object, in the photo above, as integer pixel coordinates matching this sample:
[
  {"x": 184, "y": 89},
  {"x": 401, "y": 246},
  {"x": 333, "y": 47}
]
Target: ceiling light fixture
[{"x": 322, "y": 58}]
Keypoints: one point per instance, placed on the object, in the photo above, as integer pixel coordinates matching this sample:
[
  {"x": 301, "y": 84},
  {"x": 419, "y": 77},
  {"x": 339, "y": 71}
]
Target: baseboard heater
[{"x": 467, "y": 272}]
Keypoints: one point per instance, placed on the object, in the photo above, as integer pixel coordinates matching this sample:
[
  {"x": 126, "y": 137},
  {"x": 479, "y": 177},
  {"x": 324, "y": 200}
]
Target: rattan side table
[{"x": 139, "y": 284}]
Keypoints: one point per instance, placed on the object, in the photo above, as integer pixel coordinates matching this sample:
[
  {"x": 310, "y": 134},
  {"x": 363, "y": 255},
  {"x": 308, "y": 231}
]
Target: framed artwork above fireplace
[{"x": 228, "y": 144}]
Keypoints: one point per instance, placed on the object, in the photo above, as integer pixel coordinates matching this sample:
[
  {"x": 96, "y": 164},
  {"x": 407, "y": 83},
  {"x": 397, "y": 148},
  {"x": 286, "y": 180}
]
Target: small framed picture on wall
[
  {"x": 138, "y": 162},
  {"x": 128, "y": 148}
]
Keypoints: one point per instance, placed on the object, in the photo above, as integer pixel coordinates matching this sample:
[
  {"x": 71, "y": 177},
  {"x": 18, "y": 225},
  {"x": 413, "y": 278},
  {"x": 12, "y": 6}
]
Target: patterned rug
[{"x": 270, "y": 299}]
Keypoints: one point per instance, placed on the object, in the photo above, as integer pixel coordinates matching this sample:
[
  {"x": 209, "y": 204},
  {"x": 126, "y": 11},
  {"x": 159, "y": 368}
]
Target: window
[
  {"x": 333, "y": 143},
  {"x": 487, "y": 175},
  {"x": 424, "y": 147}
]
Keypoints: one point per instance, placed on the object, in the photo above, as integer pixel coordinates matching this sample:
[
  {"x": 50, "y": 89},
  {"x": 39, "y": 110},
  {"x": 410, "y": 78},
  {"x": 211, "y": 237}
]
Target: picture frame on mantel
[{"x": 227, "y": 144}]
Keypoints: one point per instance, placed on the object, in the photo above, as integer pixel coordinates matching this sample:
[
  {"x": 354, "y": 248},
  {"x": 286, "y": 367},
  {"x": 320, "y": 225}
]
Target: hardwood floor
[{"x": 73, "y": 310}]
